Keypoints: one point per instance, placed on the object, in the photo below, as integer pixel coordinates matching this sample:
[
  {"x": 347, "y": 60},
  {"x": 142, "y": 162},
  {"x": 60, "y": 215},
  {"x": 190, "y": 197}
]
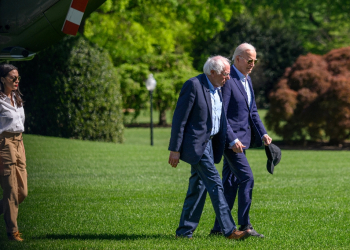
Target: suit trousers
[
  {"x": 13, "y": 177},
  {"x": 237, "y": 176},
  {"x": 204, "y": 178}
]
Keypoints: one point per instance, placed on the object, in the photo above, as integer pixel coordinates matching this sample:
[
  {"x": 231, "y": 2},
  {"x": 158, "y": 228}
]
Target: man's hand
[
  {"x": 238, "y": 147},
  {"x": 267, "y": 139},
  {"x": 174, "y": 158}
]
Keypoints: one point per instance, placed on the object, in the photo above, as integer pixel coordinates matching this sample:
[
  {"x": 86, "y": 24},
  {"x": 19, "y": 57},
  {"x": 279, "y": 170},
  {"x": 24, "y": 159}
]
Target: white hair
[
  {"x": 242, "y": 48},
  {"x": 216, "y": 63}
]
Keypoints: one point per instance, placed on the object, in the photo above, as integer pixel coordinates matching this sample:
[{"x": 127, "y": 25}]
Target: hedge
[{"x": 71, "y": 90}]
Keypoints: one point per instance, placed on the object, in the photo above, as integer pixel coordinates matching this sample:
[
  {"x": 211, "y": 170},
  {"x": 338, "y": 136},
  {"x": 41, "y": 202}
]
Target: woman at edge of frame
[{"x": 13, "y": 173}]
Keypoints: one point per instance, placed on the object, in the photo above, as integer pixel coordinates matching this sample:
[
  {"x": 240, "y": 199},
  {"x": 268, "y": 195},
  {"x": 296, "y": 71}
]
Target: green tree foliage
[
  {"x": 322, "y": 24},
  {"x": 71, "y": 90},
  {"x": 130, "y": 28},
  {"x": 133, "y": 30},
  {"x": 132, "y": 85},
  {"x": 170, "y": 70},
  {"x": 155, "y": 36},
  {"x": 313, "y": 99},
  {"x": 277, "y": 48}
]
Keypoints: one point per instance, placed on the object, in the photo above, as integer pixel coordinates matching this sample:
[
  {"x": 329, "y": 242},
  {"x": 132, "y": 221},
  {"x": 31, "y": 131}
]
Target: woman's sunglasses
[{"x": 15, "y": 78}]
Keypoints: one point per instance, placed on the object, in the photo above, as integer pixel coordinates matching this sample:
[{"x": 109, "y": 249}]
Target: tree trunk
[{"x": 162, "y": 118}]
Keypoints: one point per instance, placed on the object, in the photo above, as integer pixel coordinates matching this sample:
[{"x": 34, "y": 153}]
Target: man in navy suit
[
  {"x": 244, "y": 130},
  {"x": 198, "y": 138}
]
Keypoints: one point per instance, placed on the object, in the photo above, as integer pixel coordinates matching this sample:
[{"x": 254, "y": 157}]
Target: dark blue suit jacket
[
  {"x": 192, "y": 122},
  {"x": 242, "y": 122}
]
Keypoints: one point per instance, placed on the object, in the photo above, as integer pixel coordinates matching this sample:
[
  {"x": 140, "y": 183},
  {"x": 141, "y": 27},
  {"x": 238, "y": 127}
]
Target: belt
[{"x": 14, "y": 136}]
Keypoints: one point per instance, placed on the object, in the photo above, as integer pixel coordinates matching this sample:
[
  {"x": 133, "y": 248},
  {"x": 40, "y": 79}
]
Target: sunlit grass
[{"x": 94, "y": 195}]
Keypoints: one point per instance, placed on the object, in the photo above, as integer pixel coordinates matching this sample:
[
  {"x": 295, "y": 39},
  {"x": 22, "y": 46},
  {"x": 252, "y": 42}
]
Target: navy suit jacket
[
  {"x": 192, "y": 122},
  {"x": 242, "y": 123}
]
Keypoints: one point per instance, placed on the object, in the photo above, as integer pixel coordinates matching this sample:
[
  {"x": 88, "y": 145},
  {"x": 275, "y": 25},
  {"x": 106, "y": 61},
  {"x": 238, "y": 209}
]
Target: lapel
[
  {"x": 220, "y": 94},
  {"x": 206, "y": 91},
  {"x": 222, "y": 110},
  {"x": 239, "y": 84}
]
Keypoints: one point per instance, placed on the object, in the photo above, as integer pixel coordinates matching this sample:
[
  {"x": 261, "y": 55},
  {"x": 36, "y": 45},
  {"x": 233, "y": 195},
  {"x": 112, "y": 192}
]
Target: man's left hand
[
  {"x": 174, "y": 158},
  {"x": 267, "y": 139}
]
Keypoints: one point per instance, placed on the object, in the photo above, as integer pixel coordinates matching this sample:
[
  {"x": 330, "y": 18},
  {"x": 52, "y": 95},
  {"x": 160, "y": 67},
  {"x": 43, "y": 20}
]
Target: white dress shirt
[
  {"x": 216, "y": 105},
  {"x": 245, "y": 84},
  {"x": 11, "y": 118}
]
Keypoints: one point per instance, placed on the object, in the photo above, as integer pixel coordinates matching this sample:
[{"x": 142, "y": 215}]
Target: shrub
[
  {"x": 71, "y": 90},
  {"x": 313, "y": 99}
]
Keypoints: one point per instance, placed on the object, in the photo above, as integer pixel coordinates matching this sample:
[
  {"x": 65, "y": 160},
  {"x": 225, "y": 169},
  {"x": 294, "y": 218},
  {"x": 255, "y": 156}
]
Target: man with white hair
[
  {"x": 244, "y": 130},
  {"x": 198, "y": 138}
]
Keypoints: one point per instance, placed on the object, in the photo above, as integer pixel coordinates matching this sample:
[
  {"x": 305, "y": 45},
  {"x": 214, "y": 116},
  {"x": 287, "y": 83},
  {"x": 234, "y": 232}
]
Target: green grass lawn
[
  {"x": 94, "y": 195},
  {"x": 145, "y": 117}
]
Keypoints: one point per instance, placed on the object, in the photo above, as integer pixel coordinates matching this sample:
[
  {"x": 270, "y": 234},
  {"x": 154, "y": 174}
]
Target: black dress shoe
[
  {"x": 213, "y": 232},
  {"x": 252, "y": 231}
]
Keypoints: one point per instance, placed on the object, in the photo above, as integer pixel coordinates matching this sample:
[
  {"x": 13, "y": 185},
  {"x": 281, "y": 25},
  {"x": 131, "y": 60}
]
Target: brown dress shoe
[
  {"x": 239, "y": 235},
  {"x": 15, "y": 236}
]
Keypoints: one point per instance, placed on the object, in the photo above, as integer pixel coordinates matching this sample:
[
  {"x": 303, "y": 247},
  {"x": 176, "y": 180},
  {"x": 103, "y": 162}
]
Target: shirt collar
[
  {"x": 211, "y": 86},
  {"x": 8, "y": 100},
  {"x": 240, "y": 75}
]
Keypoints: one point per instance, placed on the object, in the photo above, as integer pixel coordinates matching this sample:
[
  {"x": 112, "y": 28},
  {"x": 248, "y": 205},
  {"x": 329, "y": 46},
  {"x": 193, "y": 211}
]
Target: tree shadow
[{"x": 117, "y": 237}]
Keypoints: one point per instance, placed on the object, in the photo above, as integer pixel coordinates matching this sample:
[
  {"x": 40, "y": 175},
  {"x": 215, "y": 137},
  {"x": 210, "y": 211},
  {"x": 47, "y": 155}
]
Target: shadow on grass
[
  {"x": 5, "y": 244},
  {"x": 307, "y": 145},
  {"x": 117, "y": 237}
]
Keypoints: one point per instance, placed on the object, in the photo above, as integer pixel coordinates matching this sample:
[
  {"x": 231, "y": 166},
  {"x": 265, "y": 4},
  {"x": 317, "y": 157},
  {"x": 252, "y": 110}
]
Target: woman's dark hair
[{"x": 5, "y": 69}]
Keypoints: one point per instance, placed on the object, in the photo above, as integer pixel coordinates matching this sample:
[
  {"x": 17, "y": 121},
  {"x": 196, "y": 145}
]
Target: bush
[
  {"x": 313, "y": 99},
  {"x": 71, "y": 90}
]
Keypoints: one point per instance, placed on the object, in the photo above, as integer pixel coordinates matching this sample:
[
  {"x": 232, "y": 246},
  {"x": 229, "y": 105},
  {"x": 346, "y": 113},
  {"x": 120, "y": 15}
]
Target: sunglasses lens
[
  {"x": 251, "y": 61},
  {"x": 15, "y": 78}
]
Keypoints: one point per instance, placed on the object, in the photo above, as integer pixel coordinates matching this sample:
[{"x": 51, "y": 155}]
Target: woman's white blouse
[{"x": 11, "y": 118}]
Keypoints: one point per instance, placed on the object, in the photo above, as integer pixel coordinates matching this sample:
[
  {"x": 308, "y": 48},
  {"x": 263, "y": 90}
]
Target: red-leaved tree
[{"x": 313, "y": 99}]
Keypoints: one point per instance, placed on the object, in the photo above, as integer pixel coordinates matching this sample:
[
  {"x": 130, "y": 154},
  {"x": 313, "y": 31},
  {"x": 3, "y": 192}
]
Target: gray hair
[
  {"x": 216, "y": 63},
  {"x": 241, "y": 48}
]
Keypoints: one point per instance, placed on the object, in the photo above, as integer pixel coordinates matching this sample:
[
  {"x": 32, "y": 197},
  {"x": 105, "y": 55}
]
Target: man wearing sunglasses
[{"x": 244, "y": 130}]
